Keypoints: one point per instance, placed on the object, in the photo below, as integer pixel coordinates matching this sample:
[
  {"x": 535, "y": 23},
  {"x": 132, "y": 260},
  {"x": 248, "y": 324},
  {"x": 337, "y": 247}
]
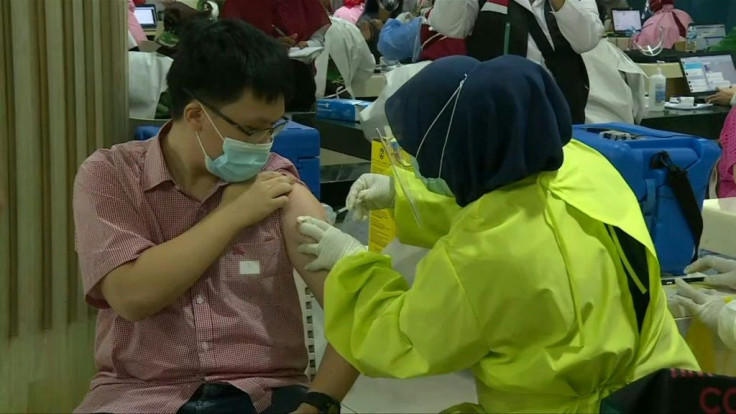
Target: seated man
[{"x": 188, "y": 242}]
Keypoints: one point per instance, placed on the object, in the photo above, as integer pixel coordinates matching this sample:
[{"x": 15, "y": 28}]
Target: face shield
[{"x": 402, "y": 163}]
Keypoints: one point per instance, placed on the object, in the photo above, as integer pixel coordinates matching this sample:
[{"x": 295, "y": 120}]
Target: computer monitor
[
  {"x": 146, "y": 16},
  {"x": 625, "y": 21},
  {"x": 709, "y": 34},
  {"x": 704, "y": 74}
]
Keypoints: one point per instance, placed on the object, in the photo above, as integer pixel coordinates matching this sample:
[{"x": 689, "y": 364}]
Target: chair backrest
[
  {"x": 308, "y": 303},
  {"x": 726, "y": 182}
]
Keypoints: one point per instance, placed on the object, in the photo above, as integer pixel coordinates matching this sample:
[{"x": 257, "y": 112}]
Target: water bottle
[{"x": 692, "y": 39}]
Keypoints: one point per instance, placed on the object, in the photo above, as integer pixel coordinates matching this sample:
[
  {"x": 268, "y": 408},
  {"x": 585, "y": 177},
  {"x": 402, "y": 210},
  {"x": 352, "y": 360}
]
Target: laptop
[
  {"x": 146, "y": 16},
  {"x": 709, "y": 34},
  {"x": 626, "y": 21},
  {"x": 705, "y": 73}
]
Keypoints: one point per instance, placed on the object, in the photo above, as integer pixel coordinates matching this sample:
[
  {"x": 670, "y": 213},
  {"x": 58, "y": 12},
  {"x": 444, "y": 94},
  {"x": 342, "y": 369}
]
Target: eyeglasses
[{"x": 271, "y": 132}]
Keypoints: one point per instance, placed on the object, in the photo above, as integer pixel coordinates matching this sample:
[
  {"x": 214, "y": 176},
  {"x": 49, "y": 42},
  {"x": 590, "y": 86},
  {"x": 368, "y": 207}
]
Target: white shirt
[
  {"x": 578, "y": 21},
  {"x": 617, "y": 86}
]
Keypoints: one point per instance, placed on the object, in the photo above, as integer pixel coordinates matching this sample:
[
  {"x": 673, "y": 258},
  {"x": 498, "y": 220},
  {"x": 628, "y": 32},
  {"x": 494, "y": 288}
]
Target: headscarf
[
  {"x": 674, "y": 22},
  {"x": 300, "y": 17},
  {"x": 510, "y": 122}
]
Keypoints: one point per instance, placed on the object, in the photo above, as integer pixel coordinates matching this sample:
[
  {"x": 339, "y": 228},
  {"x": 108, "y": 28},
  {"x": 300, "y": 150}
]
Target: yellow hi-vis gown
[{"x": 528, "y": 289}]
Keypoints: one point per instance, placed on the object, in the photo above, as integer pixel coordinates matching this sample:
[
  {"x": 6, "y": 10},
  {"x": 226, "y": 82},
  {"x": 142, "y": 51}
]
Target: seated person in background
[
  {"x": 617, "y": 84},
  {"x": 398, "y": 38},
  {"x": 346, "y": 61},
  {"x": 724, "y": 97},
  {"x": 188, "y": 243},
  {"x": 370, "y": 28},
  {"x": 726, "y": 177},
  {"x": 295, "y": 23},
  {"x": 351, "y": 11},
  {"x": 674, "y": 22},
  {"x": 728, "y": 44}
]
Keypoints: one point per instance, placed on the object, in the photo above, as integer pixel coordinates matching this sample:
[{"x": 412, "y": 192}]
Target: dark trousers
[{"x": 216, "y": 398}]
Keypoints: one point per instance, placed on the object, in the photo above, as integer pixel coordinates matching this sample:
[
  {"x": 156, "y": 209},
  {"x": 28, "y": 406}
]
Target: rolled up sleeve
[
  {"x": 580, "y": 24},
  {"x": 109, "y": 230}
]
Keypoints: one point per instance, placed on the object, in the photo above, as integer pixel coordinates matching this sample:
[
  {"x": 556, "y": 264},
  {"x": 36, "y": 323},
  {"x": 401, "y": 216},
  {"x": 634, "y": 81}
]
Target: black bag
[{"x": 674, "y": 391}]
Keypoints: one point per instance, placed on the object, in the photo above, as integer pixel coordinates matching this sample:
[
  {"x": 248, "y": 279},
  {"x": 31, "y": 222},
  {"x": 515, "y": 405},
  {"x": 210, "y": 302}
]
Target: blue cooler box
[
  {"x": 669, "y": 174},
  {"x": 301, "y": 144}
]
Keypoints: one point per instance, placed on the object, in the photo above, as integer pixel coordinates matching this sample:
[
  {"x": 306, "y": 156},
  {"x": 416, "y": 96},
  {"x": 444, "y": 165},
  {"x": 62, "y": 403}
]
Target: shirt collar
[{"x": 155, "y": 171}]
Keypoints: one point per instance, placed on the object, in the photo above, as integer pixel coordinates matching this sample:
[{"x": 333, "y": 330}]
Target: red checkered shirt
[{"x": 241, "y": 323}]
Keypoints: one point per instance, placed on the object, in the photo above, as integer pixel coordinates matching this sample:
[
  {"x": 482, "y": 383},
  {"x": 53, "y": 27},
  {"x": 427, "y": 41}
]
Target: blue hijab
[{"x": 511, "y": 122}]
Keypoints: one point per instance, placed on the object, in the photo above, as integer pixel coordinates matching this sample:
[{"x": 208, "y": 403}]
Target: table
[{"x": 706, "y": 123}]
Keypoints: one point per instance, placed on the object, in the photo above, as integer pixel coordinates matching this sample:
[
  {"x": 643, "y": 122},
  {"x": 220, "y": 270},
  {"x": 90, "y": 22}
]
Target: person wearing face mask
[
  {"x": 547, "y": 290},
  {"x": 187, "y": 245}
]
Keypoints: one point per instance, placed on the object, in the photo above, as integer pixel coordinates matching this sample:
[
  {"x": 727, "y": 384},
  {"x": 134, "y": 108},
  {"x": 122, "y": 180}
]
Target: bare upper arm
[{"x": 302, "y": 203}]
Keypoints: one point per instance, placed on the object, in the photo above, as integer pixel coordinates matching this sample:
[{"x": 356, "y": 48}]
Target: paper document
[{"x": 306, "y": 55}]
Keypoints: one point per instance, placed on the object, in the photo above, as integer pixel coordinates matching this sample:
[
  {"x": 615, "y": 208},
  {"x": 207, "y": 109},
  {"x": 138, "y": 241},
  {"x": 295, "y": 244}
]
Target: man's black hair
[{"x": 218, "y": 61}]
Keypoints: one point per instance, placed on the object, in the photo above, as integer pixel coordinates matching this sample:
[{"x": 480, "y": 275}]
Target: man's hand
[
  {"x": 723, "y": 97},
  {"x": 302, "y": 44},
  {"x": 306, "y": 409},
  {"x": 252, "y": 201}
]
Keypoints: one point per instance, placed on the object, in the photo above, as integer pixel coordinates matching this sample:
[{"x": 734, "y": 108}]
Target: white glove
[
  {"x": 332, "y": 244},
  {"x": 702, "y": 304},
  {"x": 726, "y": 269},
  {"x": 370, "y": 192}
]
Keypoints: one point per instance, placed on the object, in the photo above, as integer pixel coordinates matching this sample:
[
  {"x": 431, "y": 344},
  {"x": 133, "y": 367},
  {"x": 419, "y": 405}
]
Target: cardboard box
[
  {"x": 382, "y": 229},
  {"x": 341, "y": 109}
]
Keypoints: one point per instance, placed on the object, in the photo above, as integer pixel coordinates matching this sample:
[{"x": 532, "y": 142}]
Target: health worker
[
  {"x": 716, "y": 311},
  {"x": 540, "y": 283}
]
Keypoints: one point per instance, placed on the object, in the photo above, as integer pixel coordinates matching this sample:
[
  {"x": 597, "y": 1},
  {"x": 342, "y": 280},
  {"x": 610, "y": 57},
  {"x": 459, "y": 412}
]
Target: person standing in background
[
  {"x": 553, "y": 33},
  {"x": 295, "y": 23},
  {"x": 674, "y": 22}
]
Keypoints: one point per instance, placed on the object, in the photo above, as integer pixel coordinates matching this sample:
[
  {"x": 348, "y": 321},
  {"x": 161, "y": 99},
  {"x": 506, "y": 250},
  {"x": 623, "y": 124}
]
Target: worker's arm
[
  {"x": 386, "y": 329},
  {"x": 454, "y": 18},
  {"x": 579, "y": 23},
  {"x": 124, "y": 269},
  {"x": 335, "y": 376},
  {"x": 422, "y": 217}
]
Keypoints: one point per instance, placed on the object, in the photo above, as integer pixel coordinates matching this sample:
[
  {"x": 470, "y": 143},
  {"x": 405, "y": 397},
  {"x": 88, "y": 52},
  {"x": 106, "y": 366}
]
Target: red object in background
[
  {"x": 656, "y": 5},
  {"x": 139, "y": 2},
  {"x": 300, "y": 17},
  {"x": 436, "y": 46},
  {"x": 353, "y": 3}
]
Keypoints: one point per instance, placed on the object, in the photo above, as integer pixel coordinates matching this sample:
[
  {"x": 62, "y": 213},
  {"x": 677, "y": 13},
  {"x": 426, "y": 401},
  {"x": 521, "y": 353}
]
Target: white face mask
[
  {"x": 438, "y": 185},
  {"x": 240, "y": 161}
]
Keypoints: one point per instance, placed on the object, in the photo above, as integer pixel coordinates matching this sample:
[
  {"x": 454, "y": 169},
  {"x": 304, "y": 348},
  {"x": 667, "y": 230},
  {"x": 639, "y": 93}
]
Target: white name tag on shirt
[{"x": 250, "y": 267}]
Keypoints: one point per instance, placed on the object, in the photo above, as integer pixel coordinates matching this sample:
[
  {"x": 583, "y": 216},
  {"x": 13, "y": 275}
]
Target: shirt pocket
[{"x": 251, "y": 270}]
